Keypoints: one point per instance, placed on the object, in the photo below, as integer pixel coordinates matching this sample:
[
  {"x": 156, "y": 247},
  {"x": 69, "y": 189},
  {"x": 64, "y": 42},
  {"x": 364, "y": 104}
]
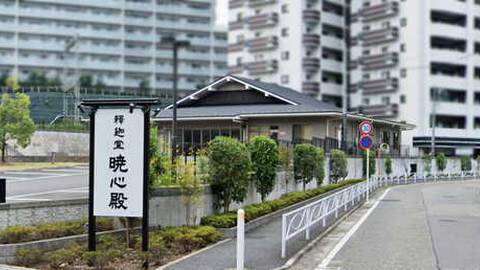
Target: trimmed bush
[
  {"x": 229, "y": 170},
  {"x": 265, "y": 160},
  {"x": 338, "y": 169},
  {"x": 28, "y": 257},
  {"x": 254, "y": 211},
  {"x": 466, "y": 163},
  {"x": 388, "y": 166},
  {"x": 307, "y": 163}
]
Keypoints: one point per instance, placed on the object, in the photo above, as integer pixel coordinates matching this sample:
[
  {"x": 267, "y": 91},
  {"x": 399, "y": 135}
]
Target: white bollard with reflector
[{"x": 240, "y": 239}]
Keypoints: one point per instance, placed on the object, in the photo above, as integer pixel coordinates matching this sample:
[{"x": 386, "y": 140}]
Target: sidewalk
[{"x": 262, "y": 249}]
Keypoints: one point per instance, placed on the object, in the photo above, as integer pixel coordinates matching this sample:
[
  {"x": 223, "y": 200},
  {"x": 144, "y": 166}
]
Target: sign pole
[
  {"x": 368, "y": 174},
  {"x": 146, "y": 162},
  {"x": 240, "y": 239},
  {"x": 91, "y": 217}
]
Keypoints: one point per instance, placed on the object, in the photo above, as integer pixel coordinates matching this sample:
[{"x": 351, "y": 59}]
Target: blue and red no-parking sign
[{"x": 366, "y": 141}]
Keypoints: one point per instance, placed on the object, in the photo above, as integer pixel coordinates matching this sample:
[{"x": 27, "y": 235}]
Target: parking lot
[{"x": 46, "y": 184}]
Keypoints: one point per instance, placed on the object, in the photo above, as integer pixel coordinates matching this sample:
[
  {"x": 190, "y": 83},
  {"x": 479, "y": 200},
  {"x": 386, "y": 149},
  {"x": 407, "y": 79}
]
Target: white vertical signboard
[{"x": 118, "y": 166}]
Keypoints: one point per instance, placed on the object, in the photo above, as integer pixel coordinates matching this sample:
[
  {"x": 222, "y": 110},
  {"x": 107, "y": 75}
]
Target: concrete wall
[{"x": 43, "y": 143}]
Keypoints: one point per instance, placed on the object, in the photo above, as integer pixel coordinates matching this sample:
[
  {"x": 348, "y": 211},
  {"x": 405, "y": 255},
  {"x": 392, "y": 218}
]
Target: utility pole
[
  {"x": 175, "y": 45},
  {"x": 345, "y": 102}
]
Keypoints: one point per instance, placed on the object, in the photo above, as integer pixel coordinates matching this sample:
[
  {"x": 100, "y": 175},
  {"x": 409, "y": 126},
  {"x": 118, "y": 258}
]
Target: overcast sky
[{"x": 222, "y": 12}]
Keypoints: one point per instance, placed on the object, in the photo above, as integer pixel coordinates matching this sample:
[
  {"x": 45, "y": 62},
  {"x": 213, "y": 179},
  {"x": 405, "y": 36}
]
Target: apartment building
[
  {"x": 115, "y": 41},
  {"x": 419, "y": 61},
  {"x": 296, "y": 43}
]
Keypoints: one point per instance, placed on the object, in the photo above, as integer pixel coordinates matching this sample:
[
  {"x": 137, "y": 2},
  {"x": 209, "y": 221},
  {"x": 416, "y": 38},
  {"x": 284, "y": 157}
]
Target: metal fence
[{"x": 303, "y": 219}]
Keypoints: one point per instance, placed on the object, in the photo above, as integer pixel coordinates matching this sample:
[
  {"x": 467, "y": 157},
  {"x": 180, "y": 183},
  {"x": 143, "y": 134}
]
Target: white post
[
  {"x": 284, "y": 236},
  {"x": 368, "y": 174},
  {"x": 240, "y": 239}
]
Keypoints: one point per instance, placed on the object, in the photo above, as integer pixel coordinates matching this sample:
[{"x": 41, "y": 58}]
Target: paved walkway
[
  {"x": 424, "y": 227},
  {"x": 262, "y": 250}
]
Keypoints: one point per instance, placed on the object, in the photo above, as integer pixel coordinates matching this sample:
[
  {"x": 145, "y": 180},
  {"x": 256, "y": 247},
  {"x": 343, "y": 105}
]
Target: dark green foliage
[
  {"x": 308, "y": 163},
  {"x": 320, "y": 166},
  {"x": 229, "y": 170},
  {"x": 371, "y": 161},
  {"x": 28, "y": 257},
  {"x": 441, "y": 161},
  {"x": 388, "y": 166},
  {"x": 254, "y": 211},
  {"x": 265, "y": 160},
  {"x": 338, "y": 169},
  {"x": 86, "y": 81},
  {"x": 466, "y": 163}
]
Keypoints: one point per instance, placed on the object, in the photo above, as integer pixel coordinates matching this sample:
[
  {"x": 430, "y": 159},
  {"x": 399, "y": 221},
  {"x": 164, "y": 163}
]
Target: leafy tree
[
  {"x": 144, "y": 87},
  {"x": 15, "y": 121},
  {"x": 191, "y": 189},
  {"x": 305, "y": 163},
  {"x": 229, "y": 170},
  {"x": 466, "y": 163},
  {"x": 36, "y": 78},
  {"x": 55, "y": 81},
  {"x": 320, "y": 166},
  {"x": 86, "y": 81},
  {"x": 265, "y": 159},
  {"x": 441, "y": 161},
  {"x": 427, "y": 163},
  {"x": 371, "y": 161},
  {"x": 100, "y": 84},
  {"x": 338, "y": 169},
  {"x": 286, "y": 164},
  {"x": 3, "y": 79},
  {"x": 388, "y": 166}
]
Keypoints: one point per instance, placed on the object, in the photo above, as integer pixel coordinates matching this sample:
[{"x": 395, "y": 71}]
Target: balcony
[
  {"x": 311, "y": 16},
  {"x": 256, "y": 3},
  {"x": 379, "y": 61},
  {"x": 311, "y": 88},
  {"x": 235, "y": 3},
  {"x": 381, "y": 110},
  {"x": 311, "y": 64},
  {"x": 311, "y": 40},
  {"x": 262, "y": 20},
  {"x": 378, "y": 12},
  {"x": 262, "y": 67},
  {"x": 235, "y": 47},
  {"x": 379, "y": 36},
  {"x": 262, "y": 44},
  {"x": 235, "y": 25},
  {"x": 373, "y": 87}
]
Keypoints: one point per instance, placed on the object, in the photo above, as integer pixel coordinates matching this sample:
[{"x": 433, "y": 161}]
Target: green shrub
[
  {"x": 66, "y": 256},
  {"x": 229, "y": 170},
  {"x": 228, "y": 220},
  {"x": 185, "y": 239},
  {"x": 16, "y": 234},
  {"x": 306, "y": 163},
  {"x": 388, "y": 166},
  {"x": 338, "y": 169},
  {"x": 265, "y": 160},
  {"x": 441, "y": 161},
  {"x": 28, "y": 257},
  {"x": 466, "y": 163},
  {"x": 371, "y": 161},
  {"x": 320, "y": 166}
]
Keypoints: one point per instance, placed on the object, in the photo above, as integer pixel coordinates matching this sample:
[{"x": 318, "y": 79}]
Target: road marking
[
  {"x": 32, "y": 173},
  {"x": 46, "y": 192},
  {"x": 46, "y": 177},
  {"x": 324, "y": 264}
]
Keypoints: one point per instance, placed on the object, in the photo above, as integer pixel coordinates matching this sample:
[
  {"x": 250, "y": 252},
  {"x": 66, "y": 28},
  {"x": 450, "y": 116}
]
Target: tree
[
  {"x": 338, "y": 168},
  {"x": 15, "y": 121},
  {"x": 371, "y": 161},
  {"x": 36, "y": 78},
  {"x": 388, "y": 166},
  {"x": 229, "y": 170},
  {"x": 320, "y": 166},
  {"x": 265, "y": 159},
  {"x": 286, "y": 164},
  {"x": 191, "y": 189},
  {"x": 427, "y": 163},
  {"x": 86, "y": 81},
  {"x": 144, "y": 87},
  {"x": 99, "y": 85},
  {"x": 466, "y": 163},
  {"x": 305, "y": 163},
  {"x": 441, "y": 161}
]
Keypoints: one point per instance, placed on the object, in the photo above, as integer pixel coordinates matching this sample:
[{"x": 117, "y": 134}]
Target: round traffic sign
[
  {"x": 365, "y": 127},
  {"x": 365, "y": 142}
]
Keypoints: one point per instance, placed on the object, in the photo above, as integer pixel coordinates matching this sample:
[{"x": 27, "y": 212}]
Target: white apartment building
[
  {"x": 295, "y": 43},
  {"x": 415, "y": 59},
  {"x": 117, "y": 41}
]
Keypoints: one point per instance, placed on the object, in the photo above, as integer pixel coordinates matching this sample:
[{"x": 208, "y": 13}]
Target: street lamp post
[{"x": 175, "y": 44}]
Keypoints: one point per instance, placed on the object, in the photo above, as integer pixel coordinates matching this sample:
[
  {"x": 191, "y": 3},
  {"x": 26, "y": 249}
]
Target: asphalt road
[
  {"x": 46, "y": 184},
  {"x": 434, "y": 226}
]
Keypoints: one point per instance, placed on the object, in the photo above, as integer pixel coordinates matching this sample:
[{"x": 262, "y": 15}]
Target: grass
[{"x": 19, "y": 166}]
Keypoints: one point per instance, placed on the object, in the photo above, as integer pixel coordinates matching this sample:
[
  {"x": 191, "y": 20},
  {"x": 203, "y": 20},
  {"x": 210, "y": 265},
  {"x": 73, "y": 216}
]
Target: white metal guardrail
[{"x": 301, "y": 220}]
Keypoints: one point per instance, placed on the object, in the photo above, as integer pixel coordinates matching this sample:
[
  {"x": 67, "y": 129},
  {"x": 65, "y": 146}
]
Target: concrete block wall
[{"x": 43, "y": 143}]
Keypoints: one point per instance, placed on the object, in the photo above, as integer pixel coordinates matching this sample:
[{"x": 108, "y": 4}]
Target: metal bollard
[{"x": 3, "y": 190}]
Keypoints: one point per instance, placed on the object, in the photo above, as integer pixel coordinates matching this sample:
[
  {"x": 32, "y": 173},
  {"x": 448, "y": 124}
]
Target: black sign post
[
  {"x": 3, "y": 190},
  {"x": 93, "y": 105}
]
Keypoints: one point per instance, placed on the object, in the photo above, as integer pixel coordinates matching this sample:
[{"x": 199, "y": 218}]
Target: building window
[
  {"x": 239, "y": 61},
  {"x": 386, "y": 100},
  {"x": 403, "y": 22},
  {"x": 284, "y": 32},
  {"x": 366, "y": 101},
  {"x": 403, "y": 47},
  {"x": 285, "y": 55},
  {"x": 403, "y": 73},
  {"x": 285, "y": 8},
  {"x": 285, "y": 79},
  {"x": 403, "y": 99}
]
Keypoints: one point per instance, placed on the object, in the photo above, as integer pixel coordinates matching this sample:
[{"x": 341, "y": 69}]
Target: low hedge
[
  {"x": 20, "y": 234},
  {"x": 254, "y": 211}
]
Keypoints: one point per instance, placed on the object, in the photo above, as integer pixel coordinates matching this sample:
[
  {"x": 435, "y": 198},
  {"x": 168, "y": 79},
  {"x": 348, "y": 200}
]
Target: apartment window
[
  {"x": 477, "y": 23},
  {"x": 284, "y": 32},
  {"x": 476, "y": 99},
  {"x": 239, "y": 17},
  {"x": 285, "y": 55},
  {"x": 477, "y": 73},
  {"x": 386, "y": 100},
  {"x": 403, "y": 73},
  {"x": 403, "y": 99},
  {"x": 403, "y": 22},
  {"x": 239, "y": 61},
  {"x": 448, "y": 95},
  {"x": 386, "y": 74},
  {"x": 447, "y": 69},
  {"x": 449, "y": 121},
  {"x": 477, "y": 48},
  {"x": 385, "y": 49},
  {"x": 403, "y": 47},
  {"x": 366, "y": 101},
  {"x": 366, "y": 76},
  {"x": 285, "y": 8},
  {"x": 445, "y": 17},
  {"x": 285, "y": 79}
]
